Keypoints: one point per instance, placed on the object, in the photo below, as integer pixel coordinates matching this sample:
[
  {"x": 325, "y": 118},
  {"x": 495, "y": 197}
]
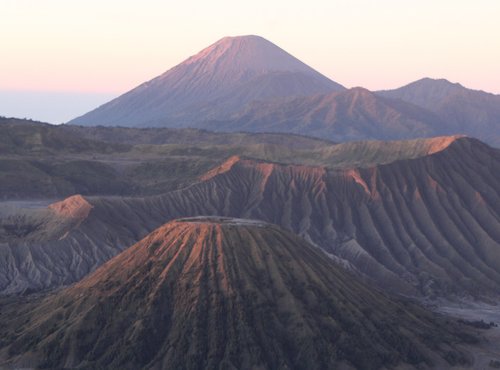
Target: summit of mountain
[
  {"x": 214, "y": 292},
  {"x": 247, "y": 83},
  {"x": 430, "y": 93},
  {"x": 213, "y": 84},
  {"x": 466, "y": 111}
]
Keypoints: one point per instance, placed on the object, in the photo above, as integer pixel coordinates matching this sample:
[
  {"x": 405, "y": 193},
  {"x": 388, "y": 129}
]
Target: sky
[{"x": 60, "y": 59}]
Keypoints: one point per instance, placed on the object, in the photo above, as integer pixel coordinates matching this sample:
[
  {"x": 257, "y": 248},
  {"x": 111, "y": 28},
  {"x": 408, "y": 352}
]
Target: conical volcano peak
[
  {"x": 201, "y": 293},
  {"x": 195, "y": 235},
  {"x": 228, "y": 42},
  {"x": 254, "y": 38},
  {"x": 214, "y": 84},
  {"x": 250, "y": 53}
]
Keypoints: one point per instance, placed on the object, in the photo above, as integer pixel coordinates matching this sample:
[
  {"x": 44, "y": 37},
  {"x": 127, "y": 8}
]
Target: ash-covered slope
[
  {"x": 426, "y": 226},
  {"x": 466, "y": 111},
  {"x": 43, "y": 248},
  {"x": 212, "y": 84},
  {"x": 354, "y": 114},
  {"x": 208, "y": 293}
]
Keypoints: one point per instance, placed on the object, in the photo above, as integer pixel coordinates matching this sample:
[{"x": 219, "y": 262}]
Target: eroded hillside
[{"x": 427, "y": 226}]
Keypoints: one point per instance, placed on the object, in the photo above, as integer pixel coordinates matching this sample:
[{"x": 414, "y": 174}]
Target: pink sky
[{"x": 111, "y": 46}]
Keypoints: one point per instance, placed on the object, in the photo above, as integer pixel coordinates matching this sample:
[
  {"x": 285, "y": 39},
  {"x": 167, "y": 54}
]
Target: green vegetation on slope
[{"x": 39, "y": 160}]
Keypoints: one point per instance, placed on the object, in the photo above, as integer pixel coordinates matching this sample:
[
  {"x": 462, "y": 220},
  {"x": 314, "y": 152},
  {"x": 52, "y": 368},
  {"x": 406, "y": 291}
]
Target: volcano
[
  {"x": 212, "y": 85},
  {"x": 419, "y": 217},
  {"x": 211, "y": 292}
]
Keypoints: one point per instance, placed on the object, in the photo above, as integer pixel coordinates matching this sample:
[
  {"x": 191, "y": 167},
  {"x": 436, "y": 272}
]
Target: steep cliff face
[
  {"x": 204, "y": 293},
  {"x": 428, "y": 225}
]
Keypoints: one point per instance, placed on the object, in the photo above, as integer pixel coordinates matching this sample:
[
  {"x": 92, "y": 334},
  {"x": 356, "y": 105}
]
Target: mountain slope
[
  {"x": 423, "y": 226},
  {"x": 23, "y": 137},
  {"x": 427, "y": 92},
  {"x": 212, "y": 84},
  {"x": 39, "y": 161},
  {"x": 36, "y": 256},
  {"x": 470, "y": 112},
  {"x": 355, "y": 114},
  {"x": 224, "y": 293}
]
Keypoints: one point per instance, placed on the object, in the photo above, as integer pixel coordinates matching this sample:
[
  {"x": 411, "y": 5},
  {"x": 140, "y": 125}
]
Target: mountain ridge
[
  {"x": 46, "y": 161},
  {"x": 436, "y": 90},
  {"x": 425, "y": 226},
  {"x": 349, "y": 115},
  {"x": 467, "y": 111},
  {"x": 247, "y": 83}
]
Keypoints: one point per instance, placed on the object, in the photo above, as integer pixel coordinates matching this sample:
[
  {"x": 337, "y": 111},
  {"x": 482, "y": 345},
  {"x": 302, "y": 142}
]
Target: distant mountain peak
[
  {"x": 250, "y": 53},
  {"x": 214, "y": 84},
  {"x": 243, "y": 37},
  {"x": 463, "y": 110},
  {"x": 359, "y": 92},
  {"x": 427, "y": 93},
  {"x": 441, "y": 83},
  {"x": 436, "y": 80}
]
